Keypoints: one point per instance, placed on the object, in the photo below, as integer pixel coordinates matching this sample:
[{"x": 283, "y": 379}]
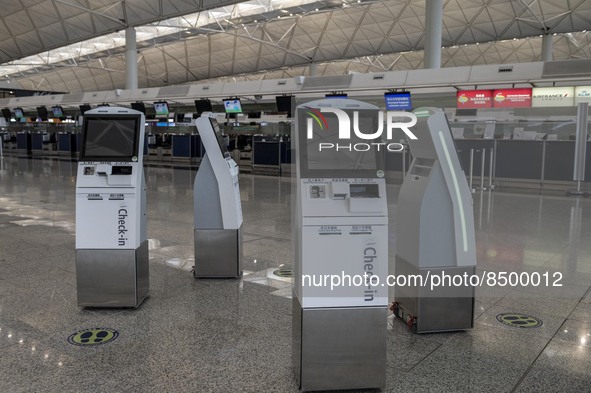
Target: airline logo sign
[
  {"x": 512, "y": 98},
  {"x": 474, "y": 99},
  {"x": 582, "y": 94},
  {"x": 553, "y": 96},
  {"x": 523, "y": 97}
]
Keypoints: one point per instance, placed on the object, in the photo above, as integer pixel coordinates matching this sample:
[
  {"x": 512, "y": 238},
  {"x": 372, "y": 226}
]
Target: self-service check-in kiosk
[
  {"x": 111, "y": 238},
  {"x": 341, "y": 229},
  {"x": 218, "y": 211},
  {"x": 435, "y": 233}
]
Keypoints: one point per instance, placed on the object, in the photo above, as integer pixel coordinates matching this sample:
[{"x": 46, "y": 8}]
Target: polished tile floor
[{"x": 235, "y": 335}]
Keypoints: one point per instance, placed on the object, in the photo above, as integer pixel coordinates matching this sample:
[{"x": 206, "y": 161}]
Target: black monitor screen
[
  {"x": 57, "y": 111},
  {"x": 283, "y": 103},
  {"x": 233, "y": 105},
  {"x": 219, "y": 137},
  {"x": 161, "y": 108},
  {"x": 466, "y": 112},
  {"x": 336, "y": 95},
  {"x": 139, "y": 106},
  {"x": 110, "y": 138},
  {"x": 330, "y": 162},
  {"x": 6, "y": 114},
  {"x": 203, "y": 106},
  {"x": 42, "y": 112}
]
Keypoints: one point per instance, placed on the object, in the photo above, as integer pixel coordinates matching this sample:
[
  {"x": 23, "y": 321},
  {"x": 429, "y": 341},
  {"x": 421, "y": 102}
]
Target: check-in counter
[
  {"x": 8, "y": 142},
  {"x": 514, "y": 162},
  {"x": 43, "y": 143},
  {"x": 266, "y": 155},
  {"x": 181, "y": 147},
  {"x": 517, "y": 159},
  {"x": 66, "y": 143},
  {"x": 471, "y": 151},
  {"x": 523, "y": 162},
  {"x": 23, "y": 143},
  {"x": 166, "y": 147},
  {"x": 37, "y": 143},
  {"x": 557, "y": 166},
  {"x": 559, "y": 161}
]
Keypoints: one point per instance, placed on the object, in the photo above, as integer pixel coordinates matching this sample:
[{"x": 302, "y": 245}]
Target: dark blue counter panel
[
  {"x": 36, "y": 142},
  {"x": 559, "y": 160},
  {"x": 285, "y": 147},
  {"x": 266, "y": 153},
  {"x": 23, "y": 141},
  {"x": 181, "y": 146},
  {"x": 519, "y": 159},
  {"x": 66, "y": 142}
]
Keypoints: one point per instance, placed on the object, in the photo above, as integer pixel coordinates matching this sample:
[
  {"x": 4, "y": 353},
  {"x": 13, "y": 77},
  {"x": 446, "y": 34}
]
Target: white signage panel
[
  {"x": 553, "y": 96},
  {"x": 582, "y": 94}
]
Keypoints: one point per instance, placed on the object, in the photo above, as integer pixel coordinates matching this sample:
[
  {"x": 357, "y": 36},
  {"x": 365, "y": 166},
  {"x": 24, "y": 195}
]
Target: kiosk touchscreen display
[
  {"x": 325, "y": 154},
  {"x": 219, "y": 137},
  {"x": 110, "y": 139}
]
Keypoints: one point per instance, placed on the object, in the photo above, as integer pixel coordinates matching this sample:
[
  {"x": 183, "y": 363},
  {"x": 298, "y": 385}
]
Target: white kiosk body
[
  {"x": 218, "y": 211},
  {"x": 435, "y": 232},
  {"x": 112, "y": 268},
  {"x": 341, "y": 227}
]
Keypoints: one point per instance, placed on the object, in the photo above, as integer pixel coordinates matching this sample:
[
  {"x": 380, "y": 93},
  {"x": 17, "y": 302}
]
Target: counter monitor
[
  {"x": 161, "y": 108},
  {"x": 233, "y": 105}
]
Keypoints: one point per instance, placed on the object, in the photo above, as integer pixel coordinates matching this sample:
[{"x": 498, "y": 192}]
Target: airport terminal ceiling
[{"x": 78, "y": 45}]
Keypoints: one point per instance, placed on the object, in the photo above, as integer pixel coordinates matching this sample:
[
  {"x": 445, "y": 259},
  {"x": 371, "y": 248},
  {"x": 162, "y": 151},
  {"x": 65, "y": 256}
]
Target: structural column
[
  {"x": 130, "y": 59},
  {"x": 547, "y": 40},
  {"x": 433, "y": 33},
  {"x": 313, "y": 69}
]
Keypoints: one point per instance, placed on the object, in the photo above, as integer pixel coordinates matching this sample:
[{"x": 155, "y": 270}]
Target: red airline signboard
[
  {"x": 474, "y": 99},
  {"x": 512, "y": 98}
]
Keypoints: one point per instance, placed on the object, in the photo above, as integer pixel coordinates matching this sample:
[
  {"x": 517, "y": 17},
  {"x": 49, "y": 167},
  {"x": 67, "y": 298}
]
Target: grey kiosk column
[
  {"x": 435, "y": 232},
  {"x": 341, "y": 227},
  {"x": 112, "y": 263},
  {"x": 218, "y": 210}
]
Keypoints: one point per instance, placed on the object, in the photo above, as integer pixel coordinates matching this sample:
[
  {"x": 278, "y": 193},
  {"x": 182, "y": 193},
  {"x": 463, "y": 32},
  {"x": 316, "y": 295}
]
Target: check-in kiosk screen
[
  {"x": 110, "y": 138},
  {"x": 326, "y": 155},
  {"x": 424, "y": 146},
  {"x": 220, "y": 138}
]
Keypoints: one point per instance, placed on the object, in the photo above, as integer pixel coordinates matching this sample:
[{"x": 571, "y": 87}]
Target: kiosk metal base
[
  {"x": 218, "y": 253},
  {"x": 446, "y": 308},
  {"x": 339, "y": 348},
  {"x": 112, "y": 278}
]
